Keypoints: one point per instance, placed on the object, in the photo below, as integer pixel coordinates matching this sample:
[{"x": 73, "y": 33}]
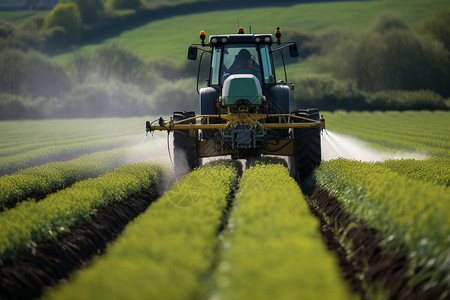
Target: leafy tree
[
  {"x": 90, "y": 10},
  {"x": 68, "y": 17},
  {"x": 32, "y": 24},
  {"x": 124, "y": 4},
  {"x": 437, "y": 24},
  {"x": 388, "y": 22},
  {"x": 390, "y": 57},
  {"x": 113, "y": 61},
  {"x": 6, "y": 28},
  {"x": 12, "y": 107},
  {"x": 31, "y": 74}
]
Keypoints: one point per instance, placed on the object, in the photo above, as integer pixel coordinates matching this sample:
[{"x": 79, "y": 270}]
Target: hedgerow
[
  {"x": 167, "y": 252},
  {"x": 30, "y": 220},
  {"x": 272, "y": 247},
  {"x": 412, "y": 215}
]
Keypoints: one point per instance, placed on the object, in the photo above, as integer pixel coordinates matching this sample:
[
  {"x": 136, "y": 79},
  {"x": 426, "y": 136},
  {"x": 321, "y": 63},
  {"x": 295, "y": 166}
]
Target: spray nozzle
[{"x": 322, "y": 125}]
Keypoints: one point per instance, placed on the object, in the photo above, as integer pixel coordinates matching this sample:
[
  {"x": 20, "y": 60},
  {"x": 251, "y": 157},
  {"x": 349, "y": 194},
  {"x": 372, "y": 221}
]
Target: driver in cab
[{"x": 245, "y": 64}]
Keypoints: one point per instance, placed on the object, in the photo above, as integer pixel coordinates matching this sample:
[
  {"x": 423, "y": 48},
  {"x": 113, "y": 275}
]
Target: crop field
[
  {"x": 423, "y": 132},
  {"x": 102, "y": 219},
  {"x": 25, "y": 144}
]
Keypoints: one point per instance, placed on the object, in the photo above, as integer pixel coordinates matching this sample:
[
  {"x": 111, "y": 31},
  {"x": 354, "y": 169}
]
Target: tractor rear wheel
[
  {"x": 184, "y": 147},
  {"x": 307, "y": 148}
]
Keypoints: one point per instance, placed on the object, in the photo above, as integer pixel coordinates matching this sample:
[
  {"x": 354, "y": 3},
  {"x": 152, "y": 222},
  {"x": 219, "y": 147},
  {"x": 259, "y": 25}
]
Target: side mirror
[
  {"x": 192, "y": 53},
  {"x": 293, "y": 50}
]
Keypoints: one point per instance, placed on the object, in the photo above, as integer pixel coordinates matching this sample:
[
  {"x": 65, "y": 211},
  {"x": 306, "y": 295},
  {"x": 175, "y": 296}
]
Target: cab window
[
  {"x": 215, "y": 66},
  {"x": 269, "y": 76}
]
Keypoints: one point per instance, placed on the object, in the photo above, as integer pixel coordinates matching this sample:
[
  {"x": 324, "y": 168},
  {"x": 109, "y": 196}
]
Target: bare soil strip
[
  {"x": 366, "y": 265},
  {"x": 50, "y": 261}
]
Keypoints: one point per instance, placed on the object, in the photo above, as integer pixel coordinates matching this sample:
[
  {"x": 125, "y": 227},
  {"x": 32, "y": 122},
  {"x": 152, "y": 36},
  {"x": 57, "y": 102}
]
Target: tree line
[
  {"x": 111, "y": 81},
  {"x": 366, "y": 68},
  {"x": 70, "y": 22}
]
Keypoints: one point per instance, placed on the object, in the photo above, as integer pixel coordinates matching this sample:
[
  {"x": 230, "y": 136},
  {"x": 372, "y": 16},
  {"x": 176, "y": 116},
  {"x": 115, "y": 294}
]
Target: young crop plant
[
  {"x": 412, "y": 215},
  {"x": 13, "y": 163},
  {"x": 425, "y": 132},
  {"x": 435, "y": 170},
  {"x": 42, "y": 180},
  {"x": 168, "y": 251},
  {"x": 272, "y": 247},
  {"x": 30, "y": 220},
  {"x": 24, "y": 144}
]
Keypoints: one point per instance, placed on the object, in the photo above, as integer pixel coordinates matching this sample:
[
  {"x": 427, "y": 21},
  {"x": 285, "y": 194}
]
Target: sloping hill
[{"x": 171, "y": 36}]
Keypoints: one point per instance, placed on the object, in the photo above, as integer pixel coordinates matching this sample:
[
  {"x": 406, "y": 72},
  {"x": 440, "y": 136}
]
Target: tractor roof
[{"x": 241, "y": 39}]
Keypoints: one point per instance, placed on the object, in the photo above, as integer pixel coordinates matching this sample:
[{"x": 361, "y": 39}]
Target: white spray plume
[{"x": 335, "y": 145}]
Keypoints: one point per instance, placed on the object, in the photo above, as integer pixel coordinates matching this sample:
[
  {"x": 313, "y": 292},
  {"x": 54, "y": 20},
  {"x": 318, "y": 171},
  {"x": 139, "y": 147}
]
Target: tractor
[{"x": 244, "y": 110}]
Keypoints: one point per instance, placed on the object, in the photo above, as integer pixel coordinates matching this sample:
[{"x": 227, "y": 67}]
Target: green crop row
[
  {"x": 13, "y": 163},
  {"x": 37, "y": 133},
  {"x": 272, "y": 248},
  {"x": 31, "y": 220},
  {"x": 434, "y": 170},
  {"x": 421, "y": 131},
  {"x": 42, "y": 180},
  {"x": 167, "y": 252},
  {"x": 28, "y": 143},
  {"x": 412, "y": 215},
  {"x": 54, "y": 142}
]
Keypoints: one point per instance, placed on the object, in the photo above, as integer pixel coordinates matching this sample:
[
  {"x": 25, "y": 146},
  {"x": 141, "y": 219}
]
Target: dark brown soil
[
  {"x": 50, "y": 261},
  {"x": 368, "y": 267}
]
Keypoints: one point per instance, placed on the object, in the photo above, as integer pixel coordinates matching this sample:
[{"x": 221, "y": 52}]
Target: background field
[
  {"x": 19, "y": 17},
  {"x": 133, "y": 62},
  {"x": 169, "y": 38}
]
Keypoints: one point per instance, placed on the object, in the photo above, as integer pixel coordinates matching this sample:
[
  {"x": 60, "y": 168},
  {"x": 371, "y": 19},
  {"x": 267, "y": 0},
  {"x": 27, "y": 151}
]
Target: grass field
[
  {"x": 18, "y": 17},
  {"x": 171, "y": 37}
]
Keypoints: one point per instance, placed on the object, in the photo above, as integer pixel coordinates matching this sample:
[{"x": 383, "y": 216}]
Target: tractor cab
[
  {"x": 242, "y": 54},
  {"x": 232, "y": 58},
  {"x": 242, "y": 74}
]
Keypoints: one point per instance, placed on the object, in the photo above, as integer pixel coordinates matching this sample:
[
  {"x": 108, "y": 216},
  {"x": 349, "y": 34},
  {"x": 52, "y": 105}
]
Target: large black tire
[
  {"x": 280, "y": 96},
  {"x": 185, "y": 156},
  {"x": 307, "y": 146},
  {"x": 208, "y": 99}
]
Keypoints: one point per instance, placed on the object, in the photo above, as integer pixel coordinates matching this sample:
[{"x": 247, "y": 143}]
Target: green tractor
[{"x": 244, "y": 110}]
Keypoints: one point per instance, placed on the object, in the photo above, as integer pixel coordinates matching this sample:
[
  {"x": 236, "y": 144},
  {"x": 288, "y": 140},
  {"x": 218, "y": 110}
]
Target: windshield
[{"x": 237, "y": 59}]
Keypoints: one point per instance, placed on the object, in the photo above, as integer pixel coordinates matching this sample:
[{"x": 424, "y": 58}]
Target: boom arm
[{"x": 241, "y": 118}]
